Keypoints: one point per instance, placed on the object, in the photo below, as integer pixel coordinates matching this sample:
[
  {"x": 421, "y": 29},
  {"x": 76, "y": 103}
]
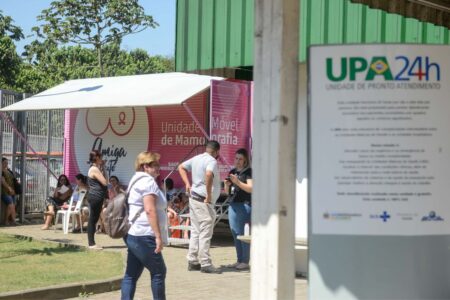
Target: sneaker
[
  {"x": 95, "y": 247},
  {"x": 194, "y": 266},
  {"x": 232, "y": 266},
  {"x": 211, "y": 269},
  {"x": 242, "y": 267}
]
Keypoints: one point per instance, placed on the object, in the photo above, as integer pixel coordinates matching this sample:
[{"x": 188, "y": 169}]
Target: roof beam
[{"x": 433, "y": 11}]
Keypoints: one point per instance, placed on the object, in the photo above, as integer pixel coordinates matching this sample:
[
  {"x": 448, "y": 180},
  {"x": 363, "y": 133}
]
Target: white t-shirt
[
  {"x": 143, "y": 187},
  {"x": 198, "y": 165}
]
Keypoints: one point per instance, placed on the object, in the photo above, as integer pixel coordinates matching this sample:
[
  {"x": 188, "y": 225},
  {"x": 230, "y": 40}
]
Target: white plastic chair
[
  {"x": 71, "y": 210},
  {"x": 75, "y": 212},
  {"x": 62, "y": 212}
]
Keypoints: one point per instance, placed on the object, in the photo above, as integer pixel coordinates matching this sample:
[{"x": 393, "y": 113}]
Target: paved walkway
[{"x": 180, "y": 283}]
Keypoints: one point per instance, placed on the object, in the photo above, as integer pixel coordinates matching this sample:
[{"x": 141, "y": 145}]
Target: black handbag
[{"x": 17, "y": 186}]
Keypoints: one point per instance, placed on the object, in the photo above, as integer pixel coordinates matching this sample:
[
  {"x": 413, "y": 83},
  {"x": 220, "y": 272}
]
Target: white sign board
[
  {"x": 379, "y": 139},
  {"x": 120, "y": 134}
]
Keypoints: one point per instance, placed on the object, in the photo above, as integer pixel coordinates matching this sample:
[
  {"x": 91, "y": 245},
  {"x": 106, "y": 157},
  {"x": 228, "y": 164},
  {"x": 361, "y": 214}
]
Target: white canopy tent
[
  {"x": 121, "y": 91},
  {"x": 108, "y": 92}
]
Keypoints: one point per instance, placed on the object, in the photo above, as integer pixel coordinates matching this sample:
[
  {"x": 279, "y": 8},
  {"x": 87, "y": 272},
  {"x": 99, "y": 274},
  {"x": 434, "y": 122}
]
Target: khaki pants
[{"x": 202, "y": 216}]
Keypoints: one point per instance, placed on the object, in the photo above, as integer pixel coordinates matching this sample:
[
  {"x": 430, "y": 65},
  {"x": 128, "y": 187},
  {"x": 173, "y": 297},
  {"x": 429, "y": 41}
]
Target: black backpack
[{"x": 115, "y": 215}]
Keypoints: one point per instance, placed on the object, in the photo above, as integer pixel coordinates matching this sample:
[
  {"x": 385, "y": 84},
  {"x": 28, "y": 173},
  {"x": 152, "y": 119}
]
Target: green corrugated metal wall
[
  {"x": 219, "y": 33},
  {"x": 214, "y": 34}
]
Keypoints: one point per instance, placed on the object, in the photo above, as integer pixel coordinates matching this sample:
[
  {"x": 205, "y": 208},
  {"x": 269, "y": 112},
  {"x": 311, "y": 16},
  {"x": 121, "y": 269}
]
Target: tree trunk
[{"x": 100, "y": 59}]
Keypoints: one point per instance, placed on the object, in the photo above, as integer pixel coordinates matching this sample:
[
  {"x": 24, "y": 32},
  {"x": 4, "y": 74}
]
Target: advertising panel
[
  {"x": 122, "y": 133},
  {"x": 230, "y": 119},
  {"x": 118, "y": 133},
  {"x": 379, "y": 139},
  {"x": 176, "y": 135}
]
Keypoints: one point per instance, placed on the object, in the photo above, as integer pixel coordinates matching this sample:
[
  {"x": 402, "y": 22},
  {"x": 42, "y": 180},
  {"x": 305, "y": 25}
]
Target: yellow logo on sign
[{"x": 379, "y": 66}]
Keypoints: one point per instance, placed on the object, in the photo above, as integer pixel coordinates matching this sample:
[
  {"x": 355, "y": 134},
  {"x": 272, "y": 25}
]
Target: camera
[{"x": 228, "y": 178}]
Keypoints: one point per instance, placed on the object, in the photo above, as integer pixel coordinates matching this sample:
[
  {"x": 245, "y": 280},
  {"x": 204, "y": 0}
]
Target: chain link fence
[{"x": 32, "y": 141}]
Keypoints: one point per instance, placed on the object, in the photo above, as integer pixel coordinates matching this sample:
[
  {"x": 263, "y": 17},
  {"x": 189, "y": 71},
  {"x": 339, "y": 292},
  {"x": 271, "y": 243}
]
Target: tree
[
  {"x": 9, "y": 60},
  {"x": 31, "y": 80},
  {"x": 9, "y": 63},
  {"x": 93, "y": 22},
  {"x": 48, "y": 65},
  {"x": 120, "y": 62},
  {"x": 8, "y": 29}
]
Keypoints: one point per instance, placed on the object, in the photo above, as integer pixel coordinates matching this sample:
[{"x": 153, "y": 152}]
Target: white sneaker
[
  {"x": 242, "y": 267},
  {"x": 95, "y": 247}
]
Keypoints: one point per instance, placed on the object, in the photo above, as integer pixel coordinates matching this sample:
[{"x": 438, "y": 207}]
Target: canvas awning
[{"x": 122, "y": 91}]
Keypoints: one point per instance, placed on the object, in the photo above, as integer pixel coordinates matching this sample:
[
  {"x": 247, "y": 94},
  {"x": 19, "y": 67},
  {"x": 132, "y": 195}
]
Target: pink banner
[
  {"x": 121, "y": 133},
  {"x": 230, "y": 119},
  {"x": 175, "y": 133},
  {"x": 118, "y": 133}
]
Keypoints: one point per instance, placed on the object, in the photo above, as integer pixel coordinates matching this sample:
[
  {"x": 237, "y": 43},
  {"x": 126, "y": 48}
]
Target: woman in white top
[{"x": 148, "y": 233}]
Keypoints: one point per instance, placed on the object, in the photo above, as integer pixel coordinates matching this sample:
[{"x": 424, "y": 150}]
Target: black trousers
[{"x": 95, "y": 208}]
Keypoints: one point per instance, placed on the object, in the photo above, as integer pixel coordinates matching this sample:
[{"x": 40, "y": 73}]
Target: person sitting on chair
[
  {"x": 62, "y": 193},
  {"x": 169, "y": 189},
  {"x": 172, "y": 215},
  {"x": 178, "y": 206},
  {"x": 114, "y": 187},
  {"x": 84, "y": 209}
]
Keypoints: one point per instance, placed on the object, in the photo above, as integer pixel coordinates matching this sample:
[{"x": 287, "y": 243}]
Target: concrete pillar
[{"x": 274, "y": 148}]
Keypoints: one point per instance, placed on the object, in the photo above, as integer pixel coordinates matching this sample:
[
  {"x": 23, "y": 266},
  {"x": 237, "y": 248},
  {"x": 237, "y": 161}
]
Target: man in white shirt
[{"x": 203, "y": 194}]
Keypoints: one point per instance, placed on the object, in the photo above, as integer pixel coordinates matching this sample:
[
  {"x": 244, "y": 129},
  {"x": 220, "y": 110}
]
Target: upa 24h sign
[{"x": 379, "y": 135}]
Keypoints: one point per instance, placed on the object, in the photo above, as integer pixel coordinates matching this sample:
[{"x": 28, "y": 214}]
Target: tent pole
[
  {"x": 189, "y": 111},
  {"x": 197, "y": 122}
]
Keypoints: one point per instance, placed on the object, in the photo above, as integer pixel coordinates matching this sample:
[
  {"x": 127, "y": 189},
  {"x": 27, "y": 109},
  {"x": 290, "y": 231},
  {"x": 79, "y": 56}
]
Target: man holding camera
[{"x": 203, "y": 194}]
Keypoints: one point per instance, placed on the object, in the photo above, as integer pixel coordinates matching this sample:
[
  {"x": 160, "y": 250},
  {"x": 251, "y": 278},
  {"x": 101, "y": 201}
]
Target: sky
[{"x": 159, "y": 41}]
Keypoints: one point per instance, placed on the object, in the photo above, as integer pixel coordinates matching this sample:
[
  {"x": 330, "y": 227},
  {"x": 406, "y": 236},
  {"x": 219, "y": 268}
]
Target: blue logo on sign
[
  {"x": 432, "y": 217},
  {"x": 385, "y": 216}
]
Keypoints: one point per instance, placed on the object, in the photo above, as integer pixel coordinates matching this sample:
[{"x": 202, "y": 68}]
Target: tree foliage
[
  {"x": 119, "y": 62},
  {"x": 7, "y": 28},
  {"x": 92, "y": 22},
  {"x": 9, "y": 63},
  {"x": 49, "y": 65},
  {"x": 46, "y": 63},
  {"x": 9, "y": 59}
]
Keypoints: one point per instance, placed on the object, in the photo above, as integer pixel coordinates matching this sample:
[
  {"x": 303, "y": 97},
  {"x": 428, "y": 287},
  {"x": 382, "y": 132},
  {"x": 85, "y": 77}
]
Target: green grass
[{"x": 26, "y": 263}]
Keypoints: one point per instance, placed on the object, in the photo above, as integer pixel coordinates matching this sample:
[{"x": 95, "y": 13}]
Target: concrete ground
[{"x": 180, "y": 283}]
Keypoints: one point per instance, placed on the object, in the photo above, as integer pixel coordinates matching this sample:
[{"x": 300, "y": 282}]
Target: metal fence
[{"x": 33, "y": 143}]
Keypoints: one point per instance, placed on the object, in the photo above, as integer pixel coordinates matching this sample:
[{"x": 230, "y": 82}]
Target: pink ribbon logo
[{"x": 121, "y": 123}]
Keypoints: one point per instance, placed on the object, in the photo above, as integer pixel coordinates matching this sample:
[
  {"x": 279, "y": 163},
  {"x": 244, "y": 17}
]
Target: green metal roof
[
  {"x": 433, "y": 11},
  {"x": 215, "y": 34}
]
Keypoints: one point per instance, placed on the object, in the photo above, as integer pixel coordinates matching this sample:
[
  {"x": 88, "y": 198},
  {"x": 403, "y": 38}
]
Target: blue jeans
[
  {"x": 8, "y": 199},
  {"x": 141, "y": 254},
  {"x": 238, "y": 215}
]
